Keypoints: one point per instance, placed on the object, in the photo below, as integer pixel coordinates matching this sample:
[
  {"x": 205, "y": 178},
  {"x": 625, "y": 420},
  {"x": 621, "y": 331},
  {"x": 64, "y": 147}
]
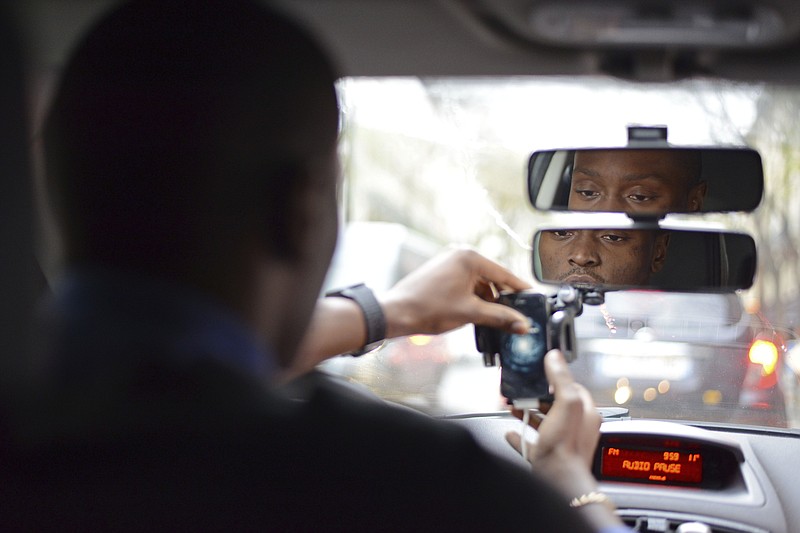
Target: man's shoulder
[{"x": 248, "y": 455}]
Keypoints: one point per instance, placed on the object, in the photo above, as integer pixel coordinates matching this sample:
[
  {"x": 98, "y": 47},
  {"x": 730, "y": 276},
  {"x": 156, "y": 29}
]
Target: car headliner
[{"x": 456, "y": 38}]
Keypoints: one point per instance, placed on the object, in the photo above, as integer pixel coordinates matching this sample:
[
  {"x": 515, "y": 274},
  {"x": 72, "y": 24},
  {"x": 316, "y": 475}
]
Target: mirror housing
[
  {"x": 646, "y": 178},
  {"x": 644, "y": 256}
]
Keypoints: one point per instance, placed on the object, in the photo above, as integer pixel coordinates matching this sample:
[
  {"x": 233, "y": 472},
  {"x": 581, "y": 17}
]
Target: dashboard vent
[{"x": 645, "y": 521}]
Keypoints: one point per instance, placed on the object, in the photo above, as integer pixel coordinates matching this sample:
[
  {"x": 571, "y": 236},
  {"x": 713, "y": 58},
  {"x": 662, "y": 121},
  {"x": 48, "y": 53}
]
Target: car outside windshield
[{"x": 432, "y": 162}]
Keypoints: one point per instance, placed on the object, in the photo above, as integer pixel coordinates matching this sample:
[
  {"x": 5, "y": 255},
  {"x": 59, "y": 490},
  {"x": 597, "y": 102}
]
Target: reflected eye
[
  {"x": 640, "y": 198},
  {"x": 614, "y": 238},
  {"x": 587, "y": 193},
  {"x": 561, "y": 233}
]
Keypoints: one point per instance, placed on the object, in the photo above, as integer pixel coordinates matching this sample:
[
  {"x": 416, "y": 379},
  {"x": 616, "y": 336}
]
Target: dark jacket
[{"x": 137, "y": 438}]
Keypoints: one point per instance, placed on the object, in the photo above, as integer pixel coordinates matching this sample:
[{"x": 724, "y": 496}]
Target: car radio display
[{"x": 652, "y": 465}]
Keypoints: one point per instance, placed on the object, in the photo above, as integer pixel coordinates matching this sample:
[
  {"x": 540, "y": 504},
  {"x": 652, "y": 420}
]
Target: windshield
[{"x": 433, "y": 162}]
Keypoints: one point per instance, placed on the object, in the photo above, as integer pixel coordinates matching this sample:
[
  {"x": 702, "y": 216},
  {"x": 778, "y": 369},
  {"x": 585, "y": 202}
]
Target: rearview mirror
[
  {"x": 646, "y": 180},
  {"x": 626, "y": 258}
]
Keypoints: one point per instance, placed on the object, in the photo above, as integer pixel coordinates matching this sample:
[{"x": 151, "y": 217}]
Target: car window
[{"x": 443, "y": 161}]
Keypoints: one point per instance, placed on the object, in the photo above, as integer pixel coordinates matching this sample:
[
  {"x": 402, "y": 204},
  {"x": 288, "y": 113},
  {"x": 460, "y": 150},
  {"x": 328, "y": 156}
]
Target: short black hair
[
  {"x": 176, "y": 116},
  {"x": 690, "y": 161}
]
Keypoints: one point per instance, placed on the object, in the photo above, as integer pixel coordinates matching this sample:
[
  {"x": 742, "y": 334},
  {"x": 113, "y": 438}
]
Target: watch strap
[{"x": 374, "y": 318}]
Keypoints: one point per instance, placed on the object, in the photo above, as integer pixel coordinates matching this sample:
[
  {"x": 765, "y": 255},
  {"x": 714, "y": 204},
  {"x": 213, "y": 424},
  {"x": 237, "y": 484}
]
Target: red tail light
[{"x": 764, "y": 353}]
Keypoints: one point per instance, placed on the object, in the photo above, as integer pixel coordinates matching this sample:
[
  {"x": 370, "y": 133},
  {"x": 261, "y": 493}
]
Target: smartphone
[{"x": 521, "y": 356}]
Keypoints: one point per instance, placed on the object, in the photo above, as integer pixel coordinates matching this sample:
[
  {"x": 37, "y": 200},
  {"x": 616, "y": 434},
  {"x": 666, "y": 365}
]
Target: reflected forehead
[{"x": 632, "y": 165}]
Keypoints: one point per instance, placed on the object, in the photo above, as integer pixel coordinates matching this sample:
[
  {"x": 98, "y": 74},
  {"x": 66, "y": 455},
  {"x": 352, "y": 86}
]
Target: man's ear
[
  {"x": 660, "y": 251},
  {"x": 304, "y": 221},
  {"x": 307, "y": 217},
  {"x": 284, "y": 219},
  {"x": 697, "y": 195}
]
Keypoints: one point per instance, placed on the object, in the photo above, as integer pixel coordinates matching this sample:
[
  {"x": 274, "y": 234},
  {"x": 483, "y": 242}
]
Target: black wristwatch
[{"x": 373, "y": 315}]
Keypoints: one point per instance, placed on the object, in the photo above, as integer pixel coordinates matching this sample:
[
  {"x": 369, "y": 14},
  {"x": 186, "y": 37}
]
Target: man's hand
[
  {"x": 456, "y": 288},
  {"x": 453, "y": 289},
  {"x": 571, "y": 427},
  {"x": 568, "y": 436}
]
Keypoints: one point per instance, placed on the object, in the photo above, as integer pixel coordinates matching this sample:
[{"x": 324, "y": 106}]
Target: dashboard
[
  {"x": 667, "y": 460},
  {"x": 663, "y": 474}
]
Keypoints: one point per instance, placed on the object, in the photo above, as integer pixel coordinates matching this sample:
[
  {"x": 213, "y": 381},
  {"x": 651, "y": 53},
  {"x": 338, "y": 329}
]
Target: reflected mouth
[
  {"x": 581, "y": 276},
  {"x": 583, "y": 279}
]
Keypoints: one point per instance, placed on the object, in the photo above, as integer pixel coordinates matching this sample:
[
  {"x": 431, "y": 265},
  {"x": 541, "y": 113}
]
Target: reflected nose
[
  {"x": 611, "y": 203},
  {"x": 583, "y": 252}
]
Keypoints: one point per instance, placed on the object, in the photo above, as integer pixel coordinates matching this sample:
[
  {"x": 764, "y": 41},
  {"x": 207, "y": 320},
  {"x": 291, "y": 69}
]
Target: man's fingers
[
  {"x": 534, "y": 420},
  {"x": 491, "y": 278},
  {"x": 497, "y": 274},
  {"x": 591, "y": 424},
  {"x": 486, "y": 291},
  {"x": 501, "y": 317},
  {"x": 557, "y": 371},
  {"x": 496, "y": 315},
  {"x": 544, "y": 407},
  {"x": 566, "y": 390},
  {"x": 514, "y": 439},
  {"x": 502, "y": 278},
  {"x": 577, "y": 420}
]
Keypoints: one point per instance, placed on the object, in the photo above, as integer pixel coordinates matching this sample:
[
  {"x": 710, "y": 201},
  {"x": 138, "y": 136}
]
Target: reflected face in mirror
[
  {"x": 606, "y": 257},
  {"x": 637, "y": 181}
]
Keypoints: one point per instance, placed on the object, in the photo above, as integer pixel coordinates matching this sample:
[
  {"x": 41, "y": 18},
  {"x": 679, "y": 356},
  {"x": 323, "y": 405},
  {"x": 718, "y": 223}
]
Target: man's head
[
  {"x": 197, "y": 141},
  {"x": 611, "y": 257},
  {"x": 637, "y": 181}
]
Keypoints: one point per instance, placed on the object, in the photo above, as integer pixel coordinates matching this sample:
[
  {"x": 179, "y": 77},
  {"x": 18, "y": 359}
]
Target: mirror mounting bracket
[
  {"x": 638, "y": 134},
  {"x": 569, "y": 298},
  {"x": 641, "y": 136}
]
